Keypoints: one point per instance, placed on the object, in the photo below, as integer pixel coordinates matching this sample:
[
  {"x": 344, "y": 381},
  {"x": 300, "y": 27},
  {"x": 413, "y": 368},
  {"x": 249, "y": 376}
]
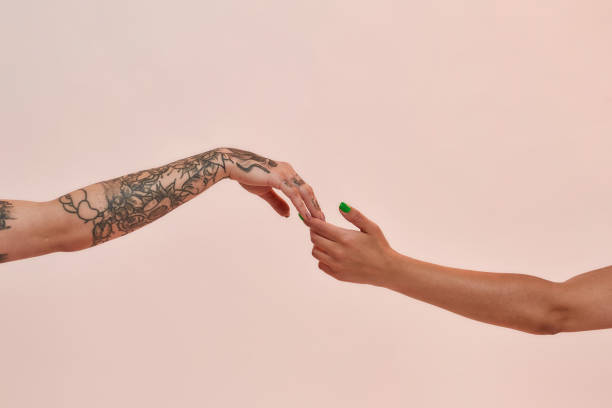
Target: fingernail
[
  {"x": 344, "y": 207},
  {"x": 301, "y": 218}
]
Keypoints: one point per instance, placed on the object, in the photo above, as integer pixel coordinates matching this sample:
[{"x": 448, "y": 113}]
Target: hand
[
  {"x": 260, "y": 175},
  {"x": 354, "y": 256}
]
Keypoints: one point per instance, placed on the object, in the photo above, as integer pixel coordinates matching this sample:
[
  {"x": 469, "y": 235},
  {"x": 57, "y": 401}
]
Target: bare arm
[
  {"x": 103, "y": 211},
  {"x": 517, "y": 301}
]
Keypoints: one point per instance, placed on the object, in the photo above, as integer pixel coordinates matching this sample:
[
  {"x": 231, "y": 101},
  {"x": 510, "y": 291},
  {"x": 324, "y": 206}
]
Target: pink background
[{"x": 477, "y": 134}]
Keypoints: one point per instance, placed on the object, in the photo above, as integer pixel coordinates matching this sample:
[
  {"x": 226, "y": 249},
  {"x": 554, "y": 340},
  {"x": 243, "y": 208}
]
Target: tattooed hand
[
  {"x": 260, "y": 175},
  {"x": 113, "y": 208}
]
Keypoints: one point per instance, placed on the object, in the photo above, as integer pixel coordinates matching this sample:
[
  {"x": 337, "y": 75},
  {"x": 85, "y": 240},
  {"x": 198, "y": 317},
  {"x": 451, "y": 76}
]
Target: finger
[
  {"x": 279, "y": 205},
  {"x": 295, "y": 197},
  {"x": 327, "y": 230},
  {"x": 356, "y": 218},
  {"x": 308, "y": 197},
  {"x": 321, "y": 242},
  {"x": 321, "y": 256},
  {"x": 327, "y": 269}
]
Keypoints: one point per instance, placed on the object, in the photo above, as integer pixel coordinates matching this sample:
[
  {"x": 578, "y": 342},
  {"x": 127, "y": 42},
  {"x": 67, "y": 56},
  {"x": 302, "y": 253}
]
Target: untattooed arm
[
  {"x": 517, "y": 301},
  {"x": 100, "y": 212}
]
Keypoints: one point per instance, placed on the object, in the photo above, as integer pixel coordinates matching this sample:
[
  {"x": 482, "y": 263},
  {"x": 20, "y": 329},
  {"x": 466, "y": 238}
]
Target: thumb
[
  {"x": 356, "y": 218},
  {"x": 276, "y": 202}
]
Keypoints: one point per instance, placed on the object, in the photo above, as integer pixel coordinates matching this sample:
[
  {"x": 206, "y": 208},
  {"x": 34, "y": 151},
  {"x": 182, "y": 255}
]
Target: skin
[
  {"x": 516, "y": 301},
  {"x": 110, "y": 209}
]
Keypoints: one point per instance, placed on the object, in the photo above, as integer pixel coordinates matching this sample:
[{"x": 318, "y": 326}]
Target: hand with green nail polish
[
  {"x": 522, "y": 302},
  {"x": 349, "y": 255}
]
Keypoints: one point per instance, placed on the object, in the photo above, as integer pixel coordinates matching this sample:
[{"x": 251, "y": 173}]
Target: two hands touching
[
  {"x": 347, "y": 255},
  {"x": 522, "y": 302},
  {"x": 110, "y": 209},
  {"x": 103, "y": 211}
]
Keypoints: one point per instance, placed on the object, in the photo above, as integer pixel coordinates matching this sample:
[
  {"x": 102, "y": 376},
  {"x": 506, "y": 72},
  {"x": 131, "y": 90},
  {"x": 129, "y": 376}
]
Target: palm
[{"x": 257, "y": 190}]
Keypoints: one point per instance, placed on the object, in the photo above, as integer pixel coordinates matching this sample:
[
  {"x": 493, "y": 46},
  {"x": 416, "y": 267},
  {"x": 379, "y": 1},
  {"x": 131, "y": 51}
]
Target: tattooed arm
[{"x": 113, "y": 208}]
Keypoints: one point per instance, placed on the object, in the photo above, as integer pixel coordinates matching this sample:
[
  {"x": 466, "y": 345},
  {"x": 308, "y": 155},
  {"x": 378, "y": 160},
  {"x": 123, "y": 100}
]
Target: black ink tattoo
[
  {"x": 248, "y": 169},
  {"x": 5, "y": 214},
  {"x": 297, "y": 180},
  {"x": 248, "y": 156},
  {"x": 140, "y": 198}
]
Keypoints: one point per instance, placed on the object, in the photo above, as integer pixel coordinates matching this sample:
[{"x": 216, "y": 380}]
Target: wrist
[
  {"x": 227, "y": 163},
  {"x": 391, "y": 271}
]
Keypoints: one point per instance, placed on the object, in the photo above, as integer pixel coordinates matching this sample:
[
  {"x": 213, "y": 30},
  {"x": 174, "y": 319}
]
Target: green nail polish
[
  {"x": 344, "y": 207},
  {"x": 300, "y": 215}
]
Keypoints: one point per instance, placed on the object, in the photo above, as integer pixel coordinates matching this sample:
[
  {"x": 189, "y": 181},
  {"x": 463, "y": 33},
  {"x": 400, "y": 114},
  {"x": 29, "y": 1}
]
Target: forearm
[
  {"x": 516, "y": 301},
  {"x": 113, "y": 208},
  {"x": 103, "y": 211},
  {"x": 521, "y": 302}
]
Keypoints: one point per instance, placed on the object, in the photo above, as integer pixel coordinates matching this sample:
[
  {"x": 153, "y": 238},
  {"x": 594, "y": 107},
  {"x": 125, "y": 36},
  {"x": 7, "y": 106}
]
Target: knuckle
[
  {"x": 351, "y": 240},
  {"x": 338, "y": 254},
  {"x": 275, "y": 181}
]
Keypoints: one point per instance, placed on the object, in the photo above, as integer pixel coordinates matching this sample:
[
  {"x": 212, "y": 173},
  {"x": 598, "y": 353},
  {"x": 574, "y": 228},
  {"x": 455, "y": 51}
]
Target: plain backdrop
[{"x": 477, "y": 134}]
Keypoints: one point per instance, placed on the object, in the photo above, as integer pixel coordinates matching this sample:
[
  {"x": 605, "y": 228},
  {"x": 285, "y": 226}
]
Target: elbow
[
  {"x": 553, "y": 319},
  {"x": 548, "y": 326}
]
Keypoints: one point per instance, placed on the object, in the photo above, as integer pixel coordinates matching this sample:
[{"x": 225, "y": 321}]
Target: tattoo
[
  {"x": 248, "y": 156},
  {"x": 5, "y": 214},
  {"x": 297, "y": 180},
  {"x": 248, "y": 169},
  {"x": 140, "y": 198}
]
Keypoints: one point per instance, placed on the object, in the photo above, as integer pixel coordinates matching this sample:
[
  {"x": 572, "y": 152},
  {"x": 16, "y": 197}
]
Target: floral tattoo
[{"x": 140, "y": 198}]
